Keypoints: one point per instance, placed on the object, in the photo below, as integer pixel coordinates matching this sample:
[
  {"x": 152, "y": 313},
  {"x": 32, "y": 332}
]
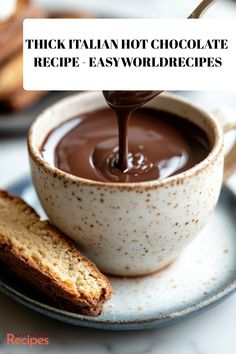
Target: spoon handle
[{"x": 201, "y": 8}]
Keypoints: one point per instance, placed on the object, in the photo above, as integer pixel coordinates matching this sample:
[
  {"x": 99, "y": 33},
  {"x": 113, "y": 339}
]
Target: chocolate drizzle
[{"x": 124, "y": 103}]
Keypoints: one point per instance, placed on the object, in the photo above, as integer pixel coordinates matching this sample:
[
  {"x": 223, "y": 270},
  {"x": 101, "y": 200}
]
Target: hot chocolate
[
  {"x": 160, "y": 145},
  {"x": 124, "y": 103}
]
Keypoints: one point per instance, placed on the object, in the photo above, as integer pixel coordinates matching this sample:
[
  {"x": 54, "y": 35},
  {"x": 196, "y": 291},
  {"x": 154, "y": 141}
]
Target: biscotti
[
  {"x": 11, "y": 31},
  {"x": 12, "y": 95},
  {"x": 11, "y": 76},
  {"x": 44, "y": 258}
]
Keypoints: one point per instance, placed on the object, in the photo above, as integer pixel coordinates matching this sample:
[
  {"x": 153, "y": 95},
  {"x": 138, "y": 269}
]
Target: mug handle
[{"x": 230, "y": 157}]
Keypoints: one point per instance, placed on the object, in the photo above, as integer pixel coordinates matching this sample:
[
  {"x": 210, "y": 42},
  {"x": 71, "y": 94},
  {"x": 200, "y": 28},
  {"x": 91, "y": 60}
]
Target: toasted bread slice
[
  {"x": 11, "y": 31},
  {"x": 12, "y": 95},
  {"x": 11, "y": 76},
  {"x": 47, "y": 260}
]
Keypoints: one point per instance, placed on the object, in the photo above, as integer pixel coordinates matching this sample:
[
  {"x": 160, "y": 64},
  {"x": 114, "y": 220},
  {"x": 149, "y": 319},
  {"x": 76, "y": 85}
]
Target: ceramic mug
[{"x": 130, "y": 229}]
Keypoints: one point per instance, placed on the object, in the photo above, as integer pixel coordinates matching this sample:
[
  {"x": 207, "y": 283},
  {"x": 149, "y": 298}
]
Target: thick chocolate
[
  {"x": 124, "y": 103},
  {"x": 160, "y": 145}
]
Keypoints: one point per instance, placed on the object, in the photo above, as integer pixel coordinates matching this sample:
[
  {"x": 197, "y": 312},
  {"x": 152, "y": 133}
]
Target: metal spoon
[{"x": 201, "y": 8}]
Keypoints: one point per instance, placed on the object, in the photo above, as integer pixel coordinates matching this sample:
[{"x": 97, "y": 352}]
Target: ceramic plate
[{"x": 202, "y": 276}]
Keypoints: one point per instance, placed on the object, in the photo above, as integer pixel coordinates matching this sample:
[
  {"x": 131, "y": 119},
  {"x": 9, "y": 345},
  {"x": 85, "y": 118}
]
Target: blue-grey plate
[{"x": 201, "y": 277}]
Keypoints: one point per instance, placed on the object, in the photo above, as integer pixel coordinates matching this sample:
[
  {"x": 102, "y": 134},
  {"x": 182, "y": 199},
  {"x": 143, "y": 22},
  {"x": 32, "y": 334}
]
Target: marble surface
[{"x": 210, "y": 333}]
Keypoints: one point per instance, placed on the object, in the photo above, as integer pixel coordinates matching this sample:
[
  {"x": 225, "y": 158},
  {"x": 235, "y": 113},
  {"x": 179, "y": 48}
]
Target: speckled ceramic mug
[{"x": 130, "y": 229}]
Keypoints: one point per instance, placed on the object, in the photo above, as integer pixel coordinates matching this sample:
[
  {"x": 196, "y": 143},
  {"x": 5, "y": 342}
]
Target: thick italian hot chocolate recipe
[{"x": 127, "y": 142}]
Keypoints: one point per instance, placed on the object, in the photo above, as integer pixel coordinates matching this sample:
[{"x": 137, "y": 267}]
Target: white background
[{"x": 141, "y": 78}]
